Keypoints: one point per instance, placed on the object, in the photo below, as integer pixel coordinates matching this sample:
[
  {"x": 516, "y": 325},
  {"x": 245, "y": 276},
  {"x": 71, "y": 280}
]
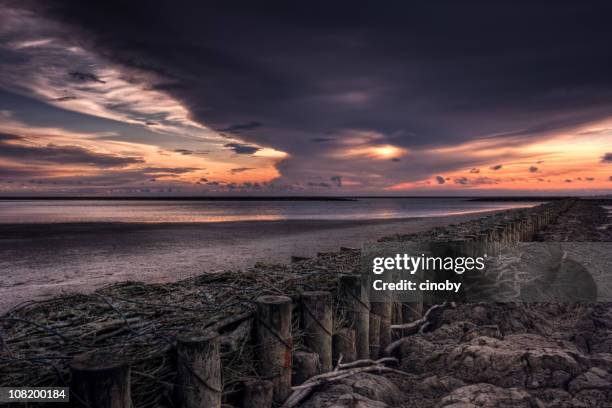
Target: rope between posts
[
  {"x": 203, "y": 381},
  {"x": 288, "y": 345},
  {"x": 316, "y": 320},
  {"x": 367, "y": 307}
]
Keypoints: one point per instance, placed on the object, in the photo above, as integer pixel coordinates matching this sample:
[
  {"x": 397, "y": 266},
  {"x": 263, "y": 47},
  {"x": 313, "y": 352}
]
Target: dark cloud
[
  {"x": 462, "y": 180},
  {"x": 52, "y": 153},
  {"x": 336, "y": 181},
  {"x": 7, "y": 136},
  {"x": 188, "y": 152},
  {"x": 320, "y": 184},
  {"x": 440, "y": 180},
  {"x": 606, "y": 158},
  {"x": 241, "y": 127},
  {"x": 590, "y": 178},
  {"x": 533, "y": 169},
  {"x": 321, "y": 139},
  {"x": 484, "y": 180},
  {"x": 85, "y": 77},
  {"x": 110, "y": 178},
  {"x": 18, "y": 172},
  {"x": 596, "y": 132},
  {"x": 474, "y": 171},
  {"x": 567, "y": 180},
  {"x": 240, "y": 148},
  {"x": 168, "y": 170},
  {"x": 65, "y": 98},
  {"x": 497, "y": 167},
  {"x": 396, "y": 160},
  {"x": 240, "y": 169}
]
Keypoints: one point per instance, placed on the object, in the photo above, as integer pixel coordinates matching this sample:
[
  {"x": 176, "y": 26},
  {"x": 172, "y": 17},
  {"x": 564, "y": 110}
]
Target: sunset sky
[{"x": 331, "y": 98}]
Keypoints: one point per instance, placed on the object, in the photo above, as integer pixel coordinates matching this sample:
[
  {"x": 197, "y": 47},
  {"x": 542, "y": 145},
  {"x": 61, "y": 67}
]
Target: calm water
[{"x": 53, "y": 211}]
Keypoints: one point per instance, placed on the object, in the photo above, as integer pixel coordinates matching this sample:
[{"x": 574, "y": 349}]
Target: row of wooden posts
[{"x": 101, "y": 381}]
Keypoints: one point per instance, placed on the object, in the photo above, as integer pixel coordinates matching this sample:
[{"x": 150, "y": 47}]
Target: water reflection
[{"x": 53, "y": 211}]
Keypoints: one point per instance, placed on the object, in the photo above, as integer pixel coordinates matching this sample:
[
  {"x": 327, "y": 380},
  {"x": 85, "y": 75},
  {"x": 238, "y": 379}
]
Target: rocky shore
[
  {"x": 467, "y": 355},
  {"x": 501, "y": 354}
]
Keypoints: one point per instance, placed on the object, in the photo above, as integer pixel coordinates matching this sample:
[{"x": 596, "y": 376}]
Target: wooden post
[
  {"x": 358, "y": 313},
  {"x": 374, "y": 336},
  {"x": 344, "y": 344},
  {"x": 305, "y": 366},
  {"x": 383, "y": 310},
  {"x": 317, "y": 323},
  {"x": 274, "y": 342},
  {"x": 100, "y": 380},
  {"x": 198, "y": 370},
  {"x": 257, "y": 394}
]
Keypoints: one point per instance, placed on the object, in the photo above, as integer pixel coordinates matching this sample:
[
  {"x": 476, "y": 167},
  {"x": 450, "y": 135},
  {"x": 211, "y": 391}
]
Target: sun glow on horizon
[{"x": 565, "y": 161}]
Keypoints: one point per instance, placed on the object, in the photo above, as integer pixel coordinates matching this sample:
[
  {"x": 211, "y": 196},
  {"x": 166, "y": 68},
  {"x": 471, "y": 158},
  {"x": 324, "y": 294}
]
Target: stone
[
  {"x": 601, "y": 360},
  {"x": 595, "y": 378},
  {"x": 524, "y": 360},
  {"x": 480, "y": 315},
  {"x": 491, "y": 330},
  {"x": 437, "y": 386},
  {"x": 488, "y": 396},
  {"x": 591, "y": 399},
  {"x": 417, "y": 354},
  {"x": 359, "y": 391}
]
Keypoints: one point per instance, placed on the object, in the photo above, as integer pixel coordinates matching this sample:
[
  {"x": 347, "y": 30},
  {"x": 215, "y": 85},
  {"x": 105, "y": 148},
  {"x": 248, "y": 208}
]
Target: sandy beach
[{"x": 41, "y": 260}]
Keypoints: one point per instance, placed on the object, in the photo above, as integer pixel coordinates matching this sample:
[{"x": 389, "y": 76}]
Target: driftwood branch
[
  {"x": 301, "y": 392},
  {"x": 418, "y": 326}
]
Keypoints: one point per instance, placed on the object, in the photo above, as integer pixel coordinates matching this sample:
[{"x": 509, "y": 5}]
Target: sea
[{"x": 206, "y": 211}]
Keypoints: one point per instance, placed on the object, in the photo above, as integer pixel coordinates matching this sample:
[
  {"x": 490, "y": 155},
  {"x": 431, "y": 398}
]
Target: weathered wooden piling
[
  {"x": 100, "y": 380},
  {"x": 344, "y": 345},
  {"x": 198, "y": 376},
  {"x": 317, "y": 324},
  {"x": 257, "y": 394},
  {"x": 305, "y": 366},
  {"x": 274, "y": 342},
  {"x": 358, "y": 312},
  {"x": 383, "y": 311},
  {"x": 374, "y": 336},
  {"x": 412, "y": 311}
]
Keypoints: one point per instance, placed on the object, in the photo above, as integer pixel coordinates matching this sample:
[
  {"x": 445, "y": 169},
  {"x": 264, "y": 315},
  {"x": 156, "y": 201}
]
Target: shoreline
[
  {"x": 33, "y": 229},
  {"x": 46, "y": 260}
]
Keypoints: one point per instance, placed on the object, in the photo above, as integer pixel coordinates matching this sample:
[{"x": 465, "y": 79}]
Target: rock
[
  {"x": 451, "y": 331},
  {"x": 437, "y": 386},
  {"x": 525, "y": 360},
  {"x": 480, "y": 315},
  {"x": 488, "y": 396},
  {"x": 491, "y": 330},
  {"x": 591, "y": 399},
  {"x": 595, "y": 378},
  {"x": 602, "y": 343},
  {"x": 601, "y": 360},
  {"x": 417, "y": 354},
  {"x": 377, "y": 388},
  {"x": 357, "y": 401},
  {"x": 552, "y": 397},
  {"x": 359, "y": 391}
]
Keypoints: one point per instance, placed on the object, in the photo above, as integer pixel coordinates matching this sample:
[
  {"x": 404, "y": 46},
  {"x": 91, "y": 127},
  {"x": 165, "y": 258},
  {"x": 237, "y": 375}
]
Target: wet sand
[{"x": 41, "y": 260}]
